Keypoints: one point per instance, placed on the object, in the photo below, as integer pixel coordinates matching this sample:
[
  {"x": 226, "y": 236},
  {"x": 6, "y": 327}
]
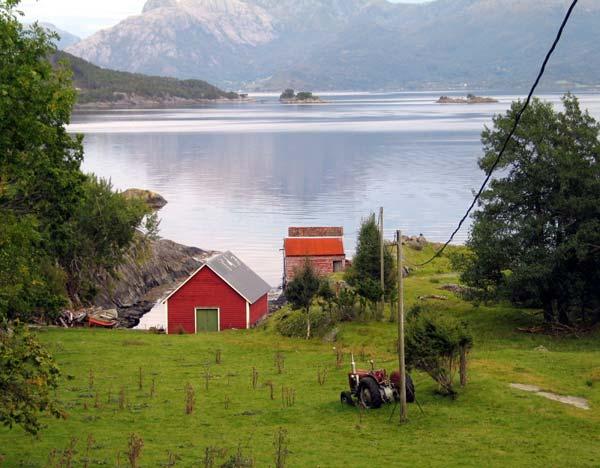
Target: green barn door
[{"x": 207, "y": 320}]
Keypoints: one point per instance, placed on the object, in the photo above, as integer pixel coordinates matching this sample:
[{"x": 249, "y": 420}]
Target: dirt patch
[{"x": 578, "y": 402}]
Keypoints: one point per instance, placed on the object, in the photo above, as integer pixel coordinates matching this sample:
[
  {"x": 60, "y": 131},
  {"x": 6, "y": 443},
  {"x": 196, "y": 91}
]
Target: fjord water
[{"x": 237, "y": 175}]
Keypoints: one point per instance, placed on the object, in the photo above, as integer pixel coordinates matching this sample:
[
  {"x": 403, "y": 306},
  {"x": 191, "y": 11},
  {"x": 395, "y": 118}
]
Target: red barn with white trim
[{"x": 222, "y": 294}]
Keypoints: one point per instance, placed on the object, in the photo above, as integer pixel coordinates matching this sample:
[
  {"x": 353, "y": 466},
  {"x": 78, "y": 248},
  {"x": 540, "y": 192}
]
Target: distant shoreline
[
  {"x": 142, "y": 103},
  {"x": 470, "y": 99}
]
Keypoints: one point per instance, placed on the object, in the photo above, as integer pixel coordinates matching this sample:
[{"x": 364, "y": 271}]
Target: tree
[
  {"x": 304, "y": 96},
  {"x": 288, "y": 94},
  {"x": 436, "y": 345},
  {"x": 364, "y": 275},
  {"x": 40, "y": 179},
  {"x": 303, "y": 289},
  {"x": 60, "y": 227},
  {"x": 28, "y": 378},
  {"x": 31, "y": 285},
  {"x": 40, "y": 166},
  {"x": 105, "y": 223},
  {"x": 535, "y": 238}
]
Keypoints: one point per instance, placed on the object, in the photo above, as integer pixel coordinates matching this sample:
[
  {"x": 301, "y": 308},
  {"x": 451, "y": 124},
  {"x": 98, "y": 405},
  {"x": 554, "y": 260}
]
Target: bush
[
  {"x": 288, "y": 94},
  {"x": 28, "y": 379},
  {"x": 345, "y": 303},
  {"x": 433, "y": 345},
  {"x": 293, "y": 324},
  {"x": 304, "y": 96}
]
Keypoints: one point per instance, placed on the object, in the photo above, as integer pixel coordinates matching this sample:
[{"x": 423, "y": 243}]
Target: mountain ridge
[{"x": 352, "y": 44}]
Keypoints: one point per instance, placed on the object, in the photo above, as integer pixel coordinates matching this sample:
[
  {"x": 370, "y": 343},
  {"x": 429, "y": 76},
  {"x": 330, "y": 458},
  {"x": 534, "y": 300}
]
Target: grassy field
[{"x": 488, "y": 424}]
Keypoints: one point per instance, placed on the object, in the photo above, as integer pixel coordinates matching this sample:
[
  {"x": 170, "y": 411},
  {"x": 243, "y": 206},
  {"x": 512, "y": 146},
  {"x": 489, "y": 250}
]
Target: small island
[
  {"x": 289, "y": 96},
  {"x": 470, "y": 99}
]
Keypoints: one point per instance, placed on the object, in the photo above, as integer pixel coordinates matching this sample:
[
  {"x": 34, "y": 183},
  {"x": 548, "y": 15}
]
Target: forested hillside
[{"x": 101, "y": 85}]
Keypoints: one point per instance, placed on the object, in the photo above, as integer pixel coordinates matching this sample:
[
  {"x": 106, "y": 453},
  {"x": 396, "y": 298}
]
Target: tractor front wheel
[
  {"x": 368, "y": 393},
  {"x": 346, "y": 398}
]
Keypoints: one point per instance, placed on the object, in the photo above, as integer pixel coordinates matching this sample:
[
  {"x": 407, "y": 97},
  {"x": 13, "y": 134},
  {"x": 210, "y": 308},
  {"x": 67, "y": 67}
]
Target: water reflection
[{"x": 237, "y": 176}]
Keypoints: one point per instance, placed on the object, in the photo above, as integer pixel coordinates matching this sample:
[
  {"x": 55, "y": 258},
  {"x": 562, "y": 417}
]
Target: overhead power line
[{"x": 509, "y": 137}]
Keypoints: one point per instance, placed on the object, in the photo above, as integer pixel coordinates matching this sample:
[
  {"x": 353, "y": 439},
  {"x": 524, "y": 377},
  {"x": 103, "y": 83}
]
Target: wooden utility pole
[
  {"x": 381, "y": 264},
  {"x": 403, "y": 406}
]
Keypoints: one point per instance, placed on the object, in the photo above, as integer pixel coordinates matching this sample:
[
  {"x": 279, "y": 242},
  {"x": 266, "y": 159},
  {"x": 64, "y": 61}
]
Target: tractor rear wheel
[
  {"x": 346, "y": 398},
  {"x": 410, "y": 389},
  {"x": 368, "y": 393}
]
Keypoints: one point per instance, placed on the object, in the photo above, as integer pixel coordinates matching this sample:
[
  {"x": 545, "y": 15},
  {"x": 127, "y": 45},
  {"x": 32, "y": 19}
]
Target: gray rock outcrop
[{"x": 144, "y": 278}]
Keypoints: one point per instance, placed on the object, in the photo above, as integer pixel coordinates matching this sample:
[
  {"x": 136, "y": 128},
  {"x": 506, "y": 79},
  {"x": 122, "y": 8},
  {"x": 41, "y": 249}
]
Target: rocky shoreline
[
  {"x": 303, "y": 101},
  {"x": 146, "y": 277}
]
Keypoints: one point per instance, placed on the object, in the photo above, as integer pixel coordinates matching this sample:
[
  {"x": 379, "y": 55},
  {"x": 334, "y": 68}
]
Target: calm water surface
[{"x": 236, "y": 176}]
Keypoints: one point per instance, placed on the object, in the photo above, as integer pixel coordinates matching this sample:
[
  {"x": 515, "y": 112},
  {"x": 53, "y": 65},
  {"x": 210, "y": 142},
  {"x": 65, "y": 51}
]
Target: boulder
[{"x": 152, "y": 199}]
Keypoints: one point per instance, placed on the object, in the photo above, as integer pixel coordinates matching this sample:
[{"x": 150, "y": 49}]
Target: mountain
[
  {"x": 66, "y": 39},
  {"x": 353, "y": 44},
  {"x": 99, "y": 86}
]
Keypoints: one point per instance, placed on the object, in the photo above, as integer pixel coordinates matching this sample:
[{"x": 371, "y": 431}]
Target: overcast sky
[{"x": 84, "y": 17}]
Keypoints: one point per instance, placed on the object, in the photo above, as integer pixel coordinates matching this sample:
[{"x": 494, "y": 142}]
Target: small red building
[
  {"x": 223, "y": 293},
  {"x": 322, "y": 246}
]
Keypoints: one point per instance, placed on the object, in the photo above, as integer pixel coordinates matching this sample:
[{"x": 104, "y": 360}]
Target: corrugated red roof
[{"x": 313, "y": 246}]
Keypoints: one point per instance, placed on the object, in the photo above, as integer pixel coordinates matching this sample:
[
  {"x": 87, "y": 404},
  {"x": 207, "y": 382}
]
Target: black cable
[{"x": 510, "y": 135}]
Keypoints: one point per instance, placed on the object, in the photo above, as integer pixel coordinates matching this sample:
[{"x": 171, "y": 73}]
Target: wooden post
[
  {"x": 381, "y": 264},
  {"x": 403, "y": 406}
]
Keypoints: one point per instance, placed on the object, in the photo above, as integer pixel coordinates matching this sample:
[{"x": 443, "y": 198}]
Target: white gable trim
[
  {"x": 166, "y": 317},
  {"x": 198, "y": 271},
  {"x": 183, "y": 284}
]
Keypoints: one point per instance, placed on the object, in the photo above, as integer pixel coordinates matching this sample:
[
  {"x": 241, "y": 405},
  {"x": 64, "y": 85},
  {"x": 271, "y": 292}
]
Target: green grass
[{"x": 489, "y": 424}]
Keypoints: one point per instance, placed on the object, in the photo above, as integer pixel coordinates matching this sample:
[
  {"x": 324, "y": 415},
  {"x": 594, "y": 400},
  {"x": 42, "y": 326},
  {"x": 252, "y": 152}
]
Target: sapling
[
  {"x": 66, "y": 460},
  {"x": 321, "y": 375},
  {"x": 339, "y": 357},
  {"x": 190, "y": 399},
  {"x": 172, "y": 459},
  {"x": 122, "y": 398},
  {"x": 271, "y": 388},
  {"x": 51, "y": 458},
  {"x": 88, "y": 447},
  {"x": 206, "y": 376},
  {"x": 209, "y": 457},
  {"x": 254, "y": 378},
  {"x": 134, "y": 450},
  {"x": 288, "y": 397},
  {"x": 279, "y": 362},
  {"x": 281, "y": 448}
]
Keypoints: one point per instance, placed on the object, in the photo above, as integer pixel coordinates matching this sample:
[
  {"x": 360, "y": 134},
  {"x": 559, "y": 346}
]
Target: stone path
[{"x": 581, "y": 403}]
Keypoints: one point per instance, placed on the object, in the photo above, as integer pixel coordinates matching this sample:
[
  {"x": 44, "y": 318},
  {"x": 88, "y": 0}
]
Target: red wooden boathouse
[
  {"x": 223, "y": 293},
  {"x": 322, "y": 246}
]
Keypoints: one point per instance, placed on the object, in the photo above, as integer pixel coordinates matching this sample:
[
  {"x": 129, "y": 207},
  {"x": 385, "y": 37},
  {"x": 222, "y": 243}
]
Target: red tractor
[{"x": 373, "y": 388}]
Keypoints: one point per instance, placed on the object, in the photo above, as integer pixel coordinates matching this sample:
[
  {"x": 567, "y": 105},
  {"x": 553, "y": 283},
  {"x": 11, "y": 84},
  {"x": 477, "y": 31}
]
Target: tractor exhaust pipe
[{"x": 353, "y": 364}]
